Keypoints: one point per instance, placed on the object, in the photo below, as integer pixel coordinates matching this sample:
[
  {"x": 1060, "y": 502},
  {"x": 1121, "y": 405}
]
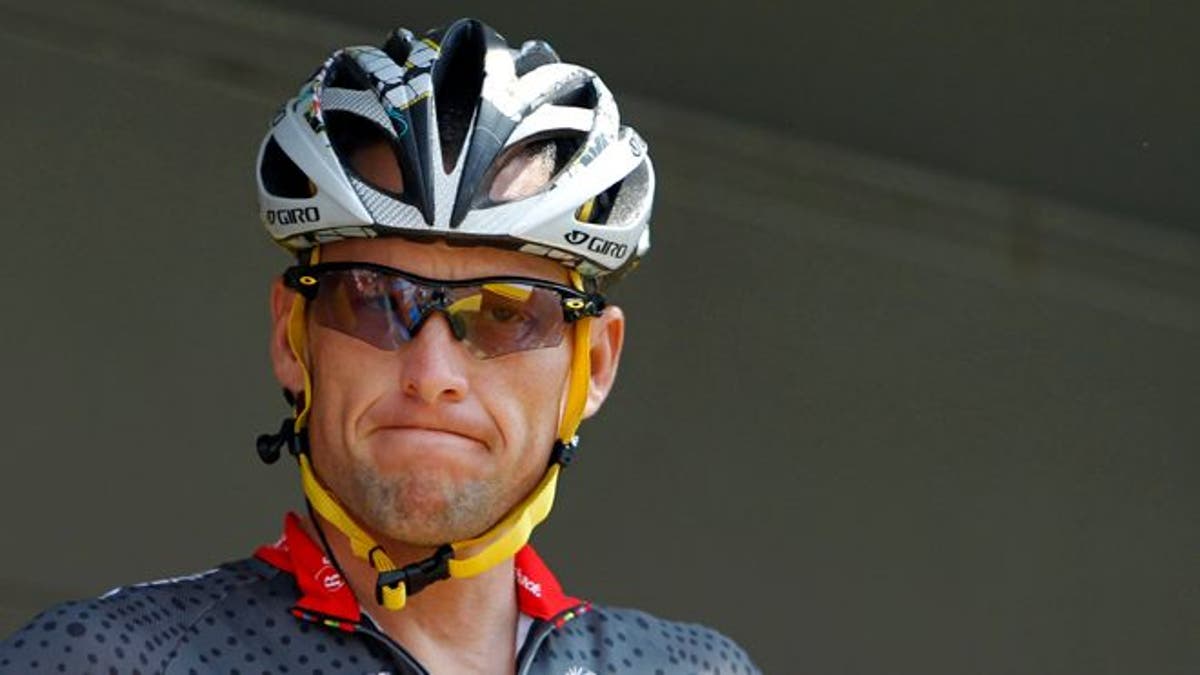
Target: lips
[
  {"x": 432, "y": 432},
  {"x": 435, "y": 424},
  {"x": 429, "y": 429}
]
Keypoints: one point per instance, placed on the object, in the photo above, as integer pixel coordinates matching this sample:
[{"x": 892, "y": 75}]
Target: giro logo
[
  {"x": 597, "y": 245},
  {"x": 310, "y": 214}
]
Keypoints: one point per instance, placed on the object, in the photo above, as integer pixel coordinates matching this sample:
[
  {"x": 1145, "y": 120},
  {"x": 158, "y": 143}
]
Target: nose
[{"x": 433, "y": 363}]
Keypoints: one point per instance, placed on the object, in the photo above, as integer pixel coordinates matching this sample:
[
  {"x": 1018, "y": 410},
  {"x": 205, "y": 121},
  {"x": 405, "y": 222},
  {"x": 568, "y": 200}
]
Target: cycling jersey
[{"x": 288, "y": 610}]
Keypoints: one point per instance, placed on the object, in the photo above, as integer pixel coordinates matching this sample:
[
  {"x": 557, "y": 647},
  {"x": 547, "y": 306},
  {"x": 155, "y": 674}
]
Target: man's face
[{"x": 429, "y": 444}]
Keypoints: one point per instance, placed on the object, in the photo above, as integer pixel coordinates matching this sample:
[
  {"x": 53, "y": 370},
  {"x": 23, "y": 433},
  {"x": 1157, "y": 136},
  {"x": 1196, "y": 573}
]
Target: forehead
[{"x": 439, "y": 260}]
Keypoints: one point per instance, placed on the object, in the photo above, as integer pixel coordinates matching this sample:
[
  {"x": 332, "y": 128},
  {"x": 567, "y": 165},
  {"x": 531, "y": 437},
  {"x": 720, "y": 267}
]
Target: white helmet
[{"x": 455, "y": 107}]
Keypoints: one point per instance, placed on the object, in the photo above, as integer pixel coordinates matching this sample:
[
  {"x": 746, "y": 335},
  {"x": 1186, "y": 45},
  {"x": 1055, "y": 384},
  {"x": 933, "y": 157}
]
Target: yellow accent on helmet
[{"x": 584, "y": 214}]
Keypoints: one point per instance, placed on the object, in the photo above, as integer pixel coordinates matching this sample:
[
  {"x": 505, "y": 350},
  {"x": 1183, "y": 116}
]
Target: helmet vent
[
  {"x": 566, "y": 146},
  {"x": 523, "y": 171},
  {"x": 366, "y": 149},
  {"x": 281, "y": 177},
  {"x": 528, "y": 167},
  {"x": 457, "y": 83},
  {"x": 582, "y": 96},
  {"x": 346, "y": 74},
  {"x": 603, "y": 204}
]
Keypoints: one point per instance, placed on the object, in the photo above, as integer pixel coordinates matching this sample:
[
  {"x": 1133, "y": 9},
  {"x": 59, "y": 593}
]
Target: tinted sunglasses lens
[
  {"x": 491, "y": 319},
  {"x": 370, "y": 306},
  {"x": 498, "y": 319}
]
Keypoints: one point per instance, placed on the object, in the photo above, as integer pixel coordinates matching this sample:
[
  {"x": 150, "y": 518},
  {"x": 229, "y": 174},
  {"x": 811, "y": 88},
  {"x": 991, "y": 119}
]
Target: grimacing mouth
[{"x": 449, "y": 430}]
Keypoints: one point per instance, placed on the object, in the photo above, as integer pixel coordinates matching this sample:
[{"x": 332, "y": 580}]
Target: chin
[{"x": 425, "y": 508}]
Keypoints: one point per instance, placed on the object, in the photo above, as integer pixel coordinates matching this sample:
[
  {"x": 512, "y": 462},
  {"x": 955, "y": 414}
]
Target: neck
[{"x": 454, "y": 625}]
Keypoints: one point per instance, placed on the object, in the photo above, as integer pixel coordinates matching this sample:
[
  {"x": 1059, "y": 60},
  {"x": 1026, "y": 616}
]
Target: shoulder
[
  {"x": 134, "y": 628},
  {"x": 630, "y": 640}
]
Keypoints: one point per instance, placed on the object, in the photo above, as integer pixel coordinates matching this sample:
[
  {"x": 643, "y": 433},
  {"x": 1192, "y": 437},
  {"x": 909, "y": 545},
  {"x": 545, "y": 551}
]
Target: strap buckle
[{"x": 416, "y": 576}]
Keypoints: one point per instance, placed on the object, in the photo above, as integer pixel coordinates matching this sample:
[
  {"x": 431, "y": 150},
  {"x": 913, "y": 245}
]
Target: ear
[
  {"x": 287, "y": 369},
  {"x": 607, "y": 335}
]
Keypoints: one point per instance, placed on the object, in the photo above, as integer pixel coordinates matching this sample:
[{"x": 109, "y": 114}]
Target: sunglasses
[{"x": 386, "y": 307}]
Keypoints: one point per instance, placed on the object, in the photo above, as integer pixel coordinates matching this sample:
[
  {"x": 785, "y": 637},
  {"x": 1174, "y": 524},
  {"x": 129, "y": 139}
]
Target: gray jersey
[{"x": 287, "y": 612}]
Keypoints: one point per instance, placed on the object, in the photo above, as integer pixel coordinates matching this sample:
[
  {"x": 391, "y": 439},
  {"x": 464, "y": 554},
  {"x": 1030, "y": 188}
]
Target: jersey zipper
[
  {"x": 537, "y": 635},
  {"x": 540, "y": 631}
]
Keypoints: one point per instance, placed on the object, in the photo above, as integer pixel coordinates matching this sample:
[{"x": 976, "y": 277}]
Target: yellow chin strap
[{"x": 497, "y": 544}]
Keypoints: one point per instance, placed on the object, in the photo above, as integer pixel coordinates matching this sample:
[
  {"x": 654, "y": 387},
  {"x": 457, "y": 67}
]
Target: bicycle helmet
[{"x": 456, "y": 107}]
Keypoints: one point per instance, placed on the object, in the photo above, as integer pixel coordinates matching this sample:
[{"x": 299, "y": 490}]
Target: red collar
[{"x": 326, "y": 595}]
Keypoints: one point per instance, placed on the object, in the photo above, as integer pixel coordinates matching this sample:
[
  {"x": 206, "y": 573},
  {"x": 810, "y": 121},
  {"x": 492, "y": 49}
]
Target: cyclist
[{"x": 456, "y": 207}]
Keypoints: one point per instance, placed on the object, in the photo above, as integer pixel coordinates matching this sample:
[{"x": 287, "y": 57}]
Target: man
[{"x": 456, "y": 208}]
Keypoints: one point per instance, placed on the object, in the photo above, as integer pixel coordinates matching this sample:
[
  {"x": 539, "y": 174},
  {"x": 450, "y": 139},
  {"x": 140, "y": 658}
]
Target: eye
[{"x": 502, "y": 313}]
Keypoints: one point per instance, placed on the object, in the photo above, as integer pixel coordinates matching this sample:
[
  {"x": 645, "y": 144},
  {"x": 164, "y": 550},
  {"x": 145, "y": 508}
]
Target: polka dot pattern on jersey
[{"x": 238, "y": 620}]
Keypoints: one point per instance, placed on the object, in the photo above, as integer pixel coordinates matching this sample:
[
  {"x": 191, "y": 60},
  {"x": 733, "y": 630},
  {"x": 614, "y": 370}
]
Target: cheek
[
  {"x": 528, "y": 401},
  {"x": 345, "y": 382}
]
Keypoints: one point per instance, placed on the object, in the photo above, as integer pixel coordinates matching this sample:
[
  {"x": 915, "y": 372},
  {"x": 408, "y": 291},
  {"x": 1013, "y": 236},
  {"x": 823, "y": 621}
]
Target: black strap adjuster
[
  {"x": 416, "y": 576},
  {"x": 269, "y": 445},
  {"x": 564, "y": 453}
]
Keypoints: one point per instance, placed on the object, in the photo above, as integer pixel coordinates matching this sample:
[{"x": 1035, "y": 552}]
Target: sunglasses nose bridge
[
  {"x": 458, "y": 327},
  {"x": 439, "y": 302},
  {"x": 455, "y": 323}
]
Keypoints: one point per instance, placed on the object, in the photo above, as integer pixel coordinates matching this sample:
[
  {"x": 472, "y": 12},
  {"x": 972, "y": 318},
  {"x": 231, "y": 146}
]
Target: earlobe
[
  {"x": 287, "y": 369},
  {"x": 607, "y": 336}
]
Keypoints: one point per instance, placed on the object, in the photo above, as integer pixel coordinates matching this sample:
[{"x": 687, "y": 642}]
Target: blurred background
[{"x": 911, "y": 383}]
